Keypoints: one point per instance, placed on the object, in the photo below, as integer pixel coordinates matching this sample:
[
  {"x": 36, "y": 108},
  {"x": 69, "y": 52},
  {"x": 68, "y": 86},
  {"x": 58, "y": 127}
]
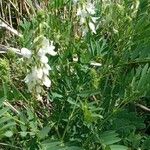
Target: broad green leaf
[
  {"x": 118, "y": 147},
  {"x": 109, "y": 137},
  {"x": 44, "y": 132},
  {"x": 8, "y": 133}
]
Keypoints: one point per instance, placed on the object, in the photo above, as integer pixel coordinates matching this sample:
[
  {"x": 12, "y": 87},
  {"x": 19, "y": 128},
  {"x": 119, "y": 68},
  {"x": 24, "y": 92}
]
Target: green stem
[{"x": 69, "y": 119}]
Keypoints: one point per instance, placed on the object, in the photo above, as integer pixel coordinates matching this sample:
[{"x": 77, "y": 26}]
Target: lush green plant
[{"x": 98, "y": 80}]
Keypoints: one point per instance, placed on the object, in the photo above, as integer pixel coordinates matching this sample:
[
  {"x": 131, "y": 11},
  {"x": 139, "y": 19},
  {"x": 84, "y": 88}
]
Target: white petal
[
  {"x": 48, "y": 67},
  {"x": 42, "y": 52},
  {"x": 51, "y": 46},
  {"x": 75, "y": 59},
  {"x": 82, "y": 20},
  {"x": 53, "y": 53},
  {"x": 26, "y": 53},
  {"x": 51, "y": 49},
  {"x": 94, "y": 19},
  {"x": 79, "y": 11},
  {"x": 92, "y": 27},
  {"x": 39, "y": 73},
  {"x": 34, "y": 73},
  {"x": 90, "y": 8},
  {"x": 45, "y": 71},
  {"x": 45, "y": 47},
  {"x": 39, "y": 97},
  {"x": 47, "y": 81},
  {"x": 44, "y": 59}
]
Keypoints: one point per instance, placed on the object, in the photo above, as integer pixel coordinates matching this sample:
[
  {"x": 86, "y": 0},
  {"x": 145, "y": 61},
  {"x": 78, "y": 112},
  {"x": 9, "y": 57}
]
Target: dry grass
[{"x": 12, "y": 12}]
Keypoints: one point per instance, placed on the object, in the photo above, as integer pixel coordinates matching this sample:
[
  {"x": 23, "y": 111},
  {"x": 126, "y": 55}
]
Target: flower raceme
[
  {"x": 38, "y": 74},
  {"x": 86, "y": 12}
]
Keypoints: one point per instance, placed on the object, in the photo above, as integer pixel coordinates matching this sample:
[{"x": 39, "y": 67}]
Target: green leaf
[
  {"x": 51, "y": 145},
  {"x": 72, "y": 102},
  {"x": 8, "y": 125},
  {"x": 56, "y": 95},
  {"x": 109, "y": 137},
  {"x": 144, "y": 71},
  {"x": 2, "y": 100},
  {"x": 146, "y": 144},
  {"x": 8, "y": 134},
  {"x": 118, "y": 147},
  {"x": 3, "y": 111},
  {"x": 44, "y": 132},
  {"x": 73, "y": 148},
  {"x": 4, "y": 119},
  {"x": 23, "y": 134}
]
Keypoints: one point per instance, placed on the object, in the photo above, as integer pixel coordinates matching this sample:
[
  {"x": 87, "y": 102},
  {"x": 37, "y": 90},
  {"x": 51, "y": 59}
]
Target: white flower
[
  {"x": 79, "y": 11},
  {"x": 30, "y": 81},
  {"x": 39, "y": 97},
  {"x": 41, "y": 52},
  {"x": 47, "y": 48},
  {"x": 26, "y": 53},
  {"x": 36, "y": 73},
  {"x": 44, "y": 59},
  {"x": 46, "y": 69},
  {"x": 86, "y": 12},
  {"x": 46, "y": 81},
  {"x": 39, "y": 73},
  {"x": 90, "y": 8},
  {"x": 82, "y": 20},
  {"x": 51, "y": 49},
  {"x": 94, "y": 19},
  {"x": 92, "y": 27},
  {"x": 38, "y": 76},
  {"x": 83, "y": 14}
]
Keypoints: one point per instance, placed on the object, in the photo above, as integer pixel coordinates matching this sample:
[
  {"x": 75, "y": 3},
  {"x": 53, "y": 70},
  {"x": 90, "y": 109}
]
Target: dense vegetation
[{"x": 95, "y": 92}]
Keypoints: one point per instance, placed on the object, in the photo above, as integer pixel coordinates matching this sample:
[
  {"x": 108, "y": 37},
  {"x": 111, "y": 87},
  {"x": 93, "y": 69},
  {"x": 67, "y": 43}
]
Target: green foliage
[
  {"x": 89, "y": 107},
  {"x": 5, "y": 70}
]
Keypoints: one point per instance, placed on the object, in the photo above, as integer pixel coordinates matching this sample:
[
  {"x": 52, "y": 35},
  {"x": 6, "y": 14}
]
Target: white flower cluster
[
  {"x": 39, "y": 73},
  {"x": 86, "y": 12}
]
